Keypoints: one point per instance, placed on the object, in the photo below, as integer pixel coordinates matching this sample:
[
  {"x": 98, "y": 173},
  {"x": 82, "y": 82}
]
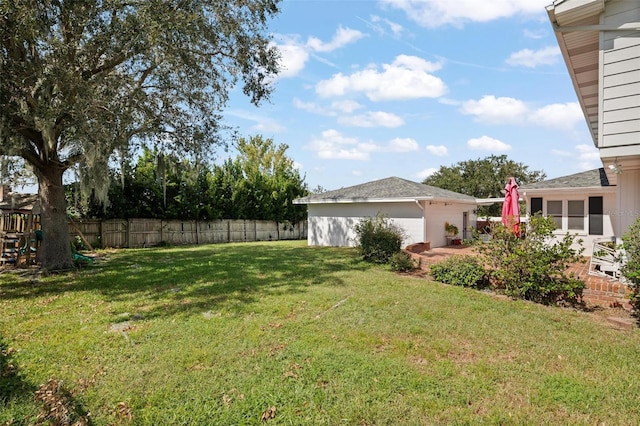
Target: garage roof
[{"x": 392, "y": 189}]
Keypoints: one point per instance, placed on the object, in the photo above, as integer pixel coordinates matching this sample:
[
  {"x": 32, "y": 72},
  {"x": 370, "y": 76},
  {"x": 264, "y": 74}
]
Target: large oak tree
[
  {"x": 483, "y": 178},
  {"x": 82, "y": 81}
]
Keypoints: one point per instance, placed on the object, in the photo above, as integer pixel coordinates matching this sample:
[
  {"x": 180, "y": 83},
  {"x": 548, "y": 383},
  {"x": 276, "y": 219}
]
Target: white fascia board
[
  {"x": 489, "y": 201},
  {"x": 582, "y": 190},
  {"x": 364, "y": 200},
  {"x": 385, "y": 200},
  {"x": 453, "y": 201},
  {"x": 567, "y": 11}
]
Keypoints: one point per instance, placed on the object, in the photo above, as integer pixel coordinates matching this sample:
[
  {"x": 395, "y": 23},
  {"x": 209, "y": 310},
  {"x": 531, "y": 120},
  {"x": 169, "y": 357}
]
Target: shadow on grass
[
  {"x": 12, "y": 385},
  {"x": 52, "y": 402},
  {"x": 186, "y": 278}
]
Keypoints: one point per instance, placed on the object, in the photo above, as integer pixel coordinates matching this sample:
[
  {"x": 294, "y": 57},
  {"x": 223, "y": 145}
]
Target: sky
[{"x": 371, "y": 89}]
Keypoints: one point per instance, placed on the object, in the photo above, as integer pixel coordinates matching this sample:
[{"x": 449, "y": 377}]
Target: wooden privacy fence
[{"x": 133, "y": 233}]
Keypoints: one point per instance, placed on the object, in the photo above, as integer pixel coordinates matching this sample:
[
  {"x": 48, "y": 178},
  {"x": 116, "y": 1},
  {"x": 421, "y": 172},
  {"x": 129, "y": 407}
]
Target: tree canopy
[
  {"x": 483, "y": 178},
  {"x": 83, "y": 81},
  {"x": 259, "y": 184}
]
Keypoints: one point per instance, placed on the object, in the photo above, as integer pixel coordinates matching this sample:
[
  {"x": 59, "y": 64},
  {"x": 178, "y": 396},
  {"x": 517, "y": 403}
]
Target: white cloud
[
  {"x": 342, "y": 37},
  {"x": 372, "y": 119},
  {"x": 423, "y": 174},
  {"x": 435, "y": 13},
  {"x": 506, "y": 110},
  {"x": 531, "y": 59},
  {"x": 293, "y": 59},
  {"x": 336, "y": 107},
  {"x": 535, "y": 34},
  {"x": 333, "y": 145},
  {"x": 588, "y": 152},
  {"x": 297, "y": 166},
  {"x": 294, "y": 54},
  {"x": 486, "y": 143},
  {"x": 403, "y": 145},
  {"x": 263, "y": 124},
  {"x": 395, "y": 28},
  {"x": 408, "y": 77},
  {"x": 438, "y": 150},
  {"x": 449, "y": 101},
  {"x": 496, "y": 110},
  {"x": 346, "y": 106},
  {"x": 559, "y": 116},
  {"x": 588, "y": 157},
  {"x": 585, "y": 156},
  {"x": 308, "y": 106}
]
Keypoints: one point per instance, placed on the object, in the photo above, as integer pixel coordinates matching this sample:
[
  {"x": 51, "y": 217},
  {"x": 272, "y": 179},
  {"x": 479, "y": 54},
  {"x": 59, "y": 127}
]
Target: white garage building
[{"x": 419, "y": 209}]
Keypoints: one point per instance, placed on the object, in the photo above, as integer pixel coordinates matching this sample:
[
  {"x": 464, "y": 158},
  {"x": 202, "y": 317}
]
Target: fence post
[{"x": 127, "y": 233}]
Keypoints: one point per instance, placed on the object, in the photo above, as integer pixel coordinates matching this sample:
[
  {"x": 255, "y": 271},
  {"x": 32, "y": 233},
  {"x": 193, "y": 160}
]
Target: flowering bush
[
  {"x": 533, "y": 266},
  {"x": 631, "y": 267}
]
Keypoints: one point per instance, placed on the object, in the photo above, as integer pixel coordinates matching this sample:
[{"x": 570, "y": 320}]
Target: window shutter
[
  {"x": 536, "y": 205},
  {"x": 595, "y": 216}
]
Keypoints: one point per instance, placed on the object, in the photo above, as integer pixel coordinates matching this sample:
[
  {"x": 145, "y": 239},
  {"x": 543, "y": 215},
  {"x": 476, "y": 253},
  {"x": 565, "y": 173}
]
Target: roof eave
[
  {"x": 381, "y": 200},
  {"x": 591, "y": 189},
  {"x": 360, "y": 200},
  {"x": 567, "y": 11}
]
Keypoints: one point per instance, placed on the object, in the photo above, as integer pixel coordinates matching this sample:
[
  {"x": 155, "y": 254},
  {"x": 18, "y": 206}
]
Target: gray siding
[{"x": 620, "y": 71}]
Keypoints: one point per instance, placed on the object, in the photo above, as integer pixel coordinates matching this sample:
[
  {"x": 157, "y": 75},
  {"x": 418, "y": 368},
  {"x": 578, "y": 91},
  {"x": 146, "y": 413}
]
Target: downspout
[{"x": 424, "y": 220}]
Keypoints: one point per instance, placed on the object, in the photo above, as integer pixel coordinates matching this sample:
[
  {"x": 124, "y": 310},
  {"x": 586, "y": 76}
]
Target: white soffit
[
  {"x": 580, "y": 49},
  {"x": 573, "y": 11}
]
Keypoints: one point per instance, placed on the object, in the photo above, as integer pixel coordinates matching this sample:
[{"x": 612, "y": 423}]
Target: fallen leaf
[
  {"x": 269, "y": 414},
  {"x": 291, "y": 374}
]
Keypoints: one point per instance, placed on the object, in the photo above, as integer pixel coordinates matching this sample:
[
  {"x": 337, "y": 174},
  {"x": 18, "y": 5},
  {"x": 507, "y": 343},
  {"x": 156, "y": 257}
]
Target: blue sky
[{"x": 372, "y": 89}]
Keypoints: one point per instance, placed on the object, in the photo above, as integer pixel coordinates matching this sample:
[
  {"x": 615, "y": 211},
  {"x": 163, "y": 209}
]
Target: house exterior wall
[
  {"x": 628, "y": 207},
  {"x": 610, "y": 217},
  {"x": 438, "y": 213},
  {"x": 620, "y": 78},
  {"x": 333, "y": 224}
]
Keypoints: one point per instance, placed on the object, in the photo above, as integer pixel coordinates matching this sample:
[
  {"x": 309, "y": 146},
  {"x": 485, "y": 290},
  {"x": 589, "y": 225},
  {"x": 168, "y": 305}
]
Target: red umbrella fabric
[{"x": 511, "y": 207}]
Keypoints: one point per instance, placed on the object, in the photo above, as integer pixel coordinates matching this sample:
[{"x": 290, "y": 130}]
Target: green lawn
[{"x": 220, "y": 334}]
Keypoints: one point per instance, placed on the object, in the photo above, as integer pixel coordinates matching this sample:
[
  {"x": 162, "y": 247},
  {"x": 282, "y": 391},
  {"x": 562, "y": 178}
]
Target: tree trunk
[{"x": 55, "y": 250}]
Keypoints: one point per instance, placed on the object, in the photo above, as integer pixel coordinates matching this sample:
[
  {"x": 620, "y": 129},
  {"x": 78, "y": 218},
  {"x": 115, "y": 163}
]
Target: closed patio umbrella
[{"x": 511, "y": 207}]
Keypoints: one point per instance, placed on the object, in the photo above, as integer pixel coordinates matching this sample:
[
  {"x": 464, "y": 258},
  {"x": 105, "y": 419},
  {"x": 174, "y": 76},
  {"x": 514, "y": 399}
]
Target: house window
[
  {"x": 554, "y": 209},
  {"x": 568, "y": 215},
  {"x": 575, "y": 215}
]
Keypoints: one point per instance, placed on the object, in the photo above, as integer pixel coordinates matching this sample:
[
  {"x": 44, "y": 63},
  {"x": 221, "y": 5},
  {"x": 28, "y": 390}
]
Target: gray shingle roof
[
  {"x": 385, "y": 189},
  {"x": 589, "y": 179}
]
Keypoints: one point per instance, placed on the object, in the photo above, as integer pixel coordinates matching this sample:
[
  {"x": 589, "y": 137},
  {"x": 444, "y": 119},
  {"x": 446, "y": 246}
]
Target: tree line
[{"x": 259, "y": 184}]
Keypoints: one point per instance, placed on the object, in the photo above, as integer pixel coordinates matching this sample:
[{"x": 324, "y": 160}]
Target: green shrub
[
  {"x": 377, "y": 238},
  {"x": 402, "y": 262},
  {"x": 465, "y": 270},
  {"x": 534, "y": 266},
  {"x": 631, "y": 266}
]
